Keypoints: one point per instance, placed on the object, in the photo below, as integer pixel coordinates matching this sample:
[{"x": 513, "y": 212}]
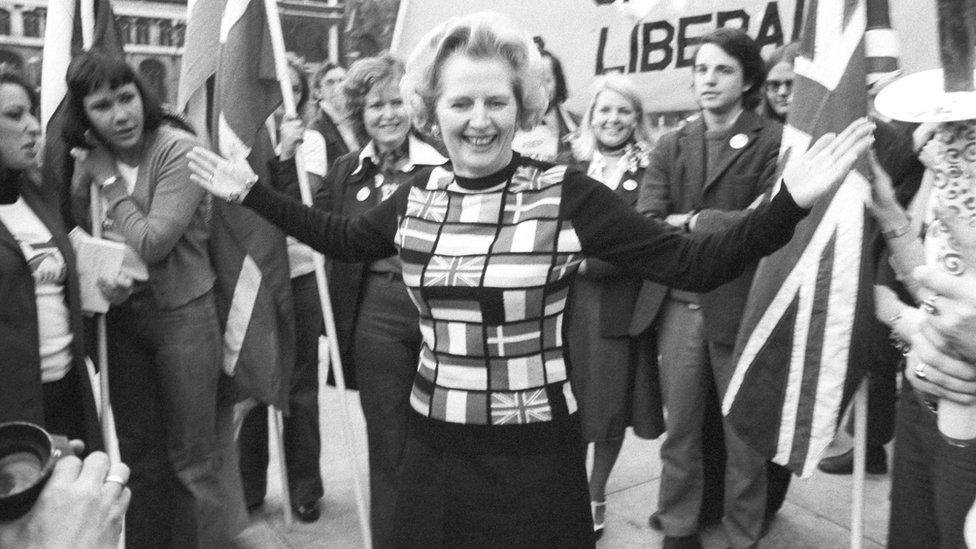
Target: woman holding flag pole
[
  {"x": 164, "y": 339},
  {"x": 488, "y": 248}
]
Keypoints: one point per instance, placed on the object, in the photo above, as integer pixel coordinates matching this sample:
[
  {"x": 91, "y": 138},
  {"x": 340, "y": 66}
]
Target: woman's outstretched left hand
[
  {"x": 825, "y": 165},
  {"x": 223, "y": 178}
]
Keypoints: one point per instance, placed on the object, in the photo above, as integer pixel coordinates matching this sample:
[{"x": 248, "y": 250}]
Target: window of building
[
  {"x": 165, "y": 32},
  {"x": 32, "y": 24},
  {"x": 142, "y": 31},
  {"x": 4, "y": 22}
]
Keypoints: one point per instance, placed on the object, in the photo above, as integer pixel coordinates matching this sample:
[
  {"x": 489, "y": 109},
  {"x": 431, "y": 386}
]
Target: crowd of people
[{"x": 511, "y": 283}]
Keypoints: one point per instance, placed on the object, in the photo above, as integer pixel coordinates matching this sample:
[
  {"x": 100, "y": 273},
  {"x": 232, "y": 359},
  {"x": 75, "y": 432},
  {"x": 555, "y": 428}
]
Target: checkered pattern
[{"x": 490, "y": 273}]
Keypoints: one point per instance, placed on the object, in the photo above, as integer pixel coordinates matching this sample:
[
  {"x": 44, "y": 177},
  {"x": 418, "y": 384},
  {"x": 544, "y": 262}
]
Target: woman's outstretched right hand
[
  {"x": 825, "y": 164},
  {"x": 226, "y": 179}
]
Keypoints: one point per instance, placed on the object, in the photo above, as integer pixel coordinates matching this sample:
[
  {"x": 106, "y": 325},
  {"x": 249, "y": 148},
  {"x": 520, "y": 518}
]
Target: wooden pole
[
  {"x": 860, "y": 412},
  {"x": 284, "y": 80},
  {"x": 278, "y": 430}
]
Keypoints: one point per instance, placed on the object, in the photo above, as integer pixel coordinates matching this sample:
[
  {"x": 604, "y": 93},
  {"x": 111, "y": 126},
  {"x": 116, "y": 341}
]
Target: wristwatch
[{"x": 109, "y": 180}]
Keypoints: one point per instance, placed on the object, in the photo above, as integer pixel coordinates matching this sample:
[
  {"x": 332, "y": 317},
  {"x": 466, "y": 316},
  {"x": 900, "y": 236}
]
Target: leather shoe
[
  {"x": 308, "y": 512},
  {"x": 843, "y": 464},
  {"x": 682, "y": 542}
]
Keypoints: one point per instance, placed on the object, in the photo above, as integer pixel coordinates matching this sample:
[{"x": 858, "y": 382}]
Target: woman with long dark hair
[{"x": 164, "y": 342}]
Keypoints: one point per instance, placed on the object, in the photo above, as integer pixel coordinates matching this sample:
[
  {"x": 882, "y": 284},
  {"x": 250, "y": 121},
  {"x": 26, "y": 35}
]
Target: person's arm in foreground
[{"x": 81, "y": 506}]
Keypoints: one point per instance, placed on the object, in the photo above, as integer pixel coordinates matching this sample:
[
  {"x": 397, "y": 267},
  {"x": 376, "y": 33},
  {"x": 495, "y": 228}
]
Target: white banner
[{"x": 651, "y": 40}]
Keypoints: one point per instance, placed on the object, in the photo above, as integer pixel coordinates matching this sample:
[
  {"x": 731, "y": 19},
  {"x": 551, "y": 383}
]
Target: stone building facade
[{"x": 154, "y": 32}]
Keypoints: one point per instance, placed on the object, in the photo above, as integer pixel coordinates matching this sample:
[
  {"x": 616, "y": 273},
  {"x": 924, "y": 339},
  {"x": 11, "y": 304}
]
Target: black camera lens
[{"x": 27, "y": 457}]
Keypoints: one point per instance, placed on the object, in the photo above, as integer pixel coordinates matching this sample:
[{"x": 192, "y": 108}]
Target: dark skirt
[
  {"x": 452, "y": 499},
  {"x": 614, "y": 378}
]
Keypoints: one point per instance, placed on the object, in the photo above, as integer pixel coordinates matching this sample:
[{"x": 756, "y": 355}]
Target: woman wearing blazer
[
  {"x": 613, "y": 373},
  {"x": 375, "y": 319}
]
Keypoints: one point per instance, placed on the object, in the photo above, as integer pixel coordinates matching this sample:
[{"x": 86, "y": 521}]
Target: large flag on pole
[
  {"x": 801, "y": 342},
  {"x": 249, "y": 254},
  {"x": 65, "y": 37}
]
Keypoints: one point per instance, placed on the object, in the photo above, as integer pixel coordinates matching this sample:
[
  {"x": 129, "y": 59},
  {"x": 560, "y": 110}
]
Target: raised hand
[
  {"x": 223, "y": 178},
  {"x": 292, "y": 130},
  {"x": 825, "y": 165},
  {"x": 96, "y": 163}
]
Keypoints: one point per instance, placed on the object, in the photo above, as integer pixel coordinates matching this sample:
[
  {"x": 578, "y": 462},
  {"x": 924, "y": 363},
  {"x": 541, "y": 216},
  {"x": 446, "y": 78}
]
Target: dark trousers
[
  {"x": 689, "y": 364},
  {"x": 301, "y": 425},
  {"x": 386, "y": 347},
  {"x": 882, "y": 395},
  {"x": 933, "y": 483},
  {"x": 164, "y": 371},
  {"x": 713, "y": 468},
  {"x": 63, "y": 411},
  {"x": 452, "y": 499}
]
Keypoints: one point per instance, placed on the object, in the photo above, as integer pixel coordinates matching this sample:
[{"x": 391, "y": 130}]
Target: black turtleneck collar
[
  {"x": 492, "y": 180},
  {"x": 9, "y": 186}
]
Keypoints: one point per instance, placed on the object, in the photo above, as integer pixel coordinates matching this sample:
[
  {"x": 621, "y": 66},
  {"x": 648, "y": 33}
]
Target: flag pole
[
  {"x": 108, "y": 417},
  {"x": 860, "y": 412},
  {"x": 284, "y": 80}
]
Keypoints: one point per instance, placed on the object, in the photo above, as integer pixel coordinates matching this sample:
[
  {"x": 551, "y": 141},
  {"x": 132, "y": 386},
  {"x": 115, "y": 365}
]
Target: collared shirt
[{"x": 419, "y": 154}]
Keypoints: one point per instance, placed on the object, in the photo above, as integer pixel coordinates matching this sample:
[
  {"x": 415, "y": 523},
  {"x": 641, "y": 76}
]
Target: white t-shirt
[{"x": 50, "y": 272}]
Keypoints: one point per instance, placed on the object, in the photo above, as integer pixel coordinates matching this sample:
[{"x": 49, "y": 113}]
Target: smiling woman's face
[
  {"x": 385, "y": 116},
  {"x": 117, "y": 116},
  {"x": 477, "y": 113}
]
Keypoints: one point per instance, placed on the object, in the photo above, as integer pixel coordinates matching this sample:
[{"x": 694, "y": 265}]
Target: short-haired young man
[{"x": 702, "y": 177}]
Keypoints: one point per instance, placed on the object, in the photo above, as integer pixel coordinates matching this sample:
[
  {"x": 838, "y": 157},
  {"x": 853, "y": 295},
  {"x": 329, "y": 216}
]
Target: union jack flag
[
  {"x": 520, "y": 407},
  {"x": 427, "y": 204},
  {"x": 454, "y": 271},
  {"x": 804, "y": 338}
]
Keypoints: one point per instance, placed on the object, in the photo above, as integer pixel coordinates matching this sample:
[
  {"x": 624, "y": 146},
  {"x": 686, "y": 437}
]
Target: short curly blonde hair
[{"x": 483, "y": 35}]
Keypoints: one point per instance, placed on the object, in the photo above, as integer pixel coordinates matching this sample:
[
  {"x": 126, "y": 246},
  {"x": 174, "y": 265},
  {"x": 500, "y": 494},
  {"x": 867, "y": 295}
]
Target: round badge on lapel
[
  {"x": 738, "y": 141},
  {"x": 630, "y": 185},
  {"x": 363, "y": 194}
]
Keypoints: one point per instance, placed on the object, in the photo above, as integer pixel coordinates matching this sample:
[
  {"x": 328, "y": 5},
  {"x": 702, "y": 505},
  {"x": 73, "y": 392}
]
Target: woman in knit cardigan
[{"x": 164, "y": 341}]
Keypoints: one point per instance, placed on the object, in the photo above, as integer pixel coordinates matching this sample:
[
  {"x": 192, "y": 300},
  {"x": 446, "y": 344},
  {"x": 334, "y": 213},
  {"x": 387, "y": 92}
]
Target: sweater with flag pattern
[{"x": 489, "y": 263}]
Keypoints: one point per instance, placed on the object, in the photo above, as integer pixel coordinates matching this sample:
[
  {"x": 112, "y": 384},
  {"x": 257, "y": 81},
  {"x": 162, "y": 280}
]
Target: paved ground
[{"x": 816, "y": 513}]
